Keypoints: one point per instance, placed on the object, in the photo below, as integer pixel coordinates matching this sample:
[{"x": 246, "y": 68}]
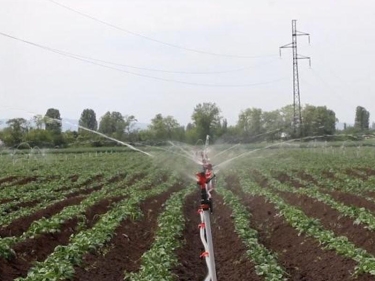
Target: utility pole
[{"x": 297, "y": 118}]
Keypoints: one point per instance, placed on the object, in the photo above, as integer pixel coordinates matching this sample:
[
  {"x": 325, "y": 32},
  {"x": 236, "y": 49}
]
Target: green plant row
[
  {"x": 312, "y": 227},
  {"x": 60, "y": 264},
  {"x": 161, "y": 258},
  {"x": 53, "y": 224},
  {"x": 52, "y": 198},
  {"x": 346, "y": 183},
  {"x": 360, "y": 215},
  {"x": 329, "y": 185},
  {"x": 30, "y": 191},
  {"x": 7, "y": 218},
  {"x": 265, "y": 261}
]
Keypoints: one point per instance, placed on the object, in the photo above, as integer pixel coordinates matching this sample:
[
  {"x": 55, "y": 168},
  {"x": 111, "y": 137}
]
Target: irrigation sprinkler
[{"x": 205, "y": 183}]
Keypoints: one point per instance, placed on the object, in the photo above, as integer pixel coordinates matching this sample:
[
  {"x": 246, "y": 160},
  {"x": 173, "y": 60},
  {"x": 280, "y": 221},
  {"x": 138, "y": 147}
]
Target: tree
[
  {"x": 113, "y": 124},
  {"x": 222, "y": 128},
  {"x": 286, "y": 116},
  {"x": 164, "y": 128},
  {"x": 40, "y": 138},
  {"x": 362, "y": 118},
  {"x": 38, "y": 121},
  {"x": 318, "y": 121},
  {"x": 88, "y": 120},
  {"x": 250, "y": 122},
  {"x": 130, "y": 121},
  {"x": 191, "y": 135},
  {"x": 52, "y": 120},
  {"x": 206, "y": 119},
  {"x": 273, "y": 125},
  {"x": 14, "y": 134}
]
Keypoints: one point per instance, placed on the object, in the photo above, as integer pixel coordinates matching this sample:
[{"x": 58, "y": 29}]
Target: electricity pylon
[{"x": 297, "y": 118}]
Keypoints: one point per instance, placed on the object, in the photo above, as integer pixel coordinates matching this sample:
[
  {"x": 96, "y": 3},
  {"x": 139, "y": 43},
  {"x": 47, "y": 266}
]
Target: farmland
[{"x": 285, "y": 213}]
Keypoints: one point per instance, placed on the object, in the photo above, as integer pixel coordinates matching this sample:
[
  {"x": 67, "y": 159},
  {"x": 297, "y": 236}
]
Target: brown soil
[
  {"x": 130, "y": 241},
  {"x": 355, "y": 174},
  {"x": 116, "y": 178},
  {"x": 368, "y": 171},
  {"x": 352, "y": 200},
  {"x": 282, "y": 177},
  {"x": 333, "y": 220},
  {"x": 19, "y": 226},
  {"x": 8, "y": 179},
  {"x": 73, "y": 178},
  {"x": 230, "y": 252},
  {"x": 93, "y": 213},
  {"x": 302, "y": 257},
  {"x": 84, "y": 191},
  {"x": 191, "y": 266},
  {"x": 20, "y": 205},
  {"x": 39, "y": 248},
  {"x": 330, "y": 175},
  {"x": 97, "y": 178},
  {"x": 306, "y": 177},
  {"x": 34, "y": 250},
  {"x": 25, "y": 180},
  {"x": 3, "y": 201}
]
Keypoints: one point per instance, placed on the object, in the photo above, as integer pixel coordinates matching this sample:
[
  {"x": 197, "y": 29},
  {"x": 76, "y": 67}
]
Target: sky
[{"x": 144, "y": 57}]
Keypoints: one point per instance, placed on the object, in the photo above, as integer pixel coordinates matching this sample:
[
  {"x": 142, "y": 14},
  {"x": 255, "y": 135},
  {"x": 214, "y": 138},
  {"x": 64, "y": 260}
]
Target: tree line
[{"x": 253, "y": 125}]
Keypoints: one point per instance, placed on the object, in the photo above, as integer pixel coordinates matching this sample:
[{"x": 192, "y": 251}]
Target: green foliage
[
  {"x": 318, "y": 121},
  {"x": 88, "y": 120},
  {"x": 250, "y": 122},
  {"x": 164, "y": 128},
  {"x": 39, "y": 137},
  {"x": 52, "y": 121},
  {"x": 362, "y": 118},
  {"x": 116, "y": 125},
  {"x": 158, "y": 262},
  {"x": 266, "y": 264},
  {"x": 206, "y": 119},
  {"x": 312, "y": 227},
  {"x": 60, "y": 264},
  {"x": 15, "y": 132}
]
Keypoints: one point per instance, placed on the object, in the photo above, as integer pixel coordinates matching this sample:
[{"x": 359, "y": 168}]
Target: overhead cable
[
  {"x": 77, "y": 57},
  {"x": 156, "y": 40}
]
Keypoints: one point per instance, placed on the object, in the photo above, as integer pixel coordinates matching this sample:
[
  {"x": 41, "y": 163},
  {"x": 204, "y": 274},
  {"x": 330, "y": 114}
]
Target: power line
[
  {"x": 80, "y": 58},
  {"x": 153, "y": 39},
  {"x": 162, "y": 70}
]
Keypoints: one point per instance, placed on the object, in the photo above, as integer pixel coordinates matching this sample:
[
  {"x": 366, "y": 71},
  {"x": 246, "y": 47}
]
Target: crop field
[{"x": 283, "y": 213}]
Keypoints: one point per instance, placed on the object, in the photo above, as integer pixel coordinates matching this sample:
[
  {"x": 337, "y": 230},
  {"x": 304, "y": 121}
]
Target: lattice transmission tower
[{"x": 297, "y": 118}]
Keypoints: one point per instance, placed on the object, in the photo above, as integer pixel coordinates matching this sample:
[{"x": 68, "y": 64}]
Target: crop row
[
  {"x": 349, "y": 185},
  {"x": 360, "y": 215},
  {"x": 47, "y": 198},
  {"x": 265, "y": 261},
  {"x": 52, "y": 224},
  {"x": 60, "y": 264},
  {"x": 161, "y": 258},
  {"x": 313, "y": 228}
]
